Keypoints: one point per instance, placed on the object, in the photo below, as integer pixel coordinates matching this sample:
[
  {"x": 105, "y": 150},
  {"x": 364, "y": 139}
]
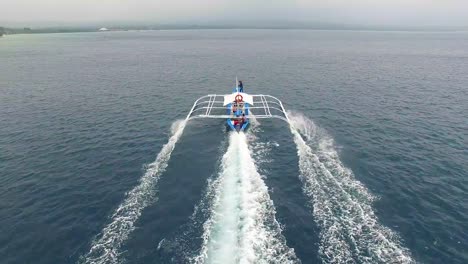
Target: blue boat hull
[{"x": 237, "y": 114}]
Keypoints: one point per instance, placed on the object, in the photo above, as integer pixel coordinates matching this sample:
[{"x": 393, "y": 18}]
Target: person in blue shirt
[{"x": 241, "y": 87}]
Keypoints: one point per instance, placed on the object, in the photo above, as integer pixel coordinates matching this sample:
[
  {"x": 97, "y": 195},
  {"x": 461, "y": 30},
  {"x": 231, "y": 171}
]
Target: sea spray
[
  {"x": 342, "y": 206},
  {"x": 106, "y": 247},
  {"x": 242, "y": 227}
]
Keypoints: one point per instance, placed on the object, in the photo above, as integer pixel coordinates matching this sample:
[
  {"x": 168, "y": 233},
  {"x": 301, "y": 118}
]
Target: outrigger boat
[{"x": 237, "y": 108}]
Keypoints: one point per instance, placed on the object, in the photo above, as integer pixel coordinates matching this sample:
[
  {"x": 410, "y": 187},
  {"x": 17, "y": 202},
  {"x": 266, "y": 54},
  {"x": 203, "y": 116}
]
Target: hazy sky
[{"x": 362, "y": 12}]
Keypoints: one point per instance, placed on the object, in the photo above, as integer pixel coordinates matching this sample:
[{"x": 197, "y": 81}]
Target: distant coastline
[{"x": 285, "y": 26}]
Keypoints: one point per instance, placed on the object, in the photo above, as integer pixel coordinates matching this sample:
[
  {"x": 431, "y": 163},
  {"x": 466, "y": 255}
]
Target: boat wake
[
  {"x": 241, "y": 227},
  {"x": 106, "y": 247},
  {"x": 342, "y": 206}
]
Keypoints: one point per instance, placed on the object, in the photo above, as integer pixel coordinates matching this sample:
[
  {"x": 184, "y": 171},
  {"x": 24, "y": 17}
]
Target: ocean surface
[{"x": 97, "y": 164}]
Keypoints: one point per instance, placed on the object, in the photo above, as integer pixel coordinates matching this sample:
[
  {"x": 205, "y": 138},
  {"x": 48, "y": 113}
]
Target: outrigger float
[{"x": 237, "y": 108}]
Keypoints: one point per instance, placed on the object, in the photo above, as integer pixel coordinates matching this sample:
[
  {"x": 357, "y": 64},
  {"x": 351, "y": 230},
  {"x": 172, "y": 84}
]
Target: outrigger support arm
[{"x": 211, "y": 106}]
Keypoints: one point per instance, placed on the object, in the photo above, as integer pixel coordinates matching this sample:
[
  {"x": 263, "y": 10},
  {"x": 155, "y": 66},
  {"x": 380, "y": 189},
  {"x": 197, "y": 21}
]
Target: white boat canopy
[{"x": 229, "y": 98}]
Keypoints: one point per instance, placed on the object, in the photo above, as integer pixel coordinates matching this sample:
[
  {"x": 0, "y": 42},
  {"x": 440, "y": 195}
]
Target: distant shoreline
[{"x": 50, "y": 30}]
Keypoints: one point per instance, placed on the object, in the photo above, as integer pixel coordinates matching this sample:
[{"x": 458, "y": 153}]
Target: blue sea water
[{"x": 95, "y": 167}]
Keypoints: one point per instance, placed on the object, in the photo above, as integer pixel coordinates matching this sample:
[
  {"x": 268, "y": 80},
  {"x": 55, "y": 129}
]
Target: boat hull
[
  {"x": 237, "y": 114},
  {"x": 237, "y": 127}
]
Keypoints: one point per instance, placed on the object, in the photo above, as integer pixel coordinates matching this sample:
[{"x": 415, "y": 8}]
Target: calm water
[{"x": 375, "y": 170}]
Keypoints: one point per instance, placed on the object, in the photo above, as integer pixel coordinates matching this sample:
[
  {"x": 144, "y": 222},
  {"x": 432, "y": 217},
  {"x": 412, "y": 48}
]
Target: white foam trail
[
  {"x": 105, "y": 249},
  {"x": 342, "y": 206},
  {"x": 242, "y": 227}
]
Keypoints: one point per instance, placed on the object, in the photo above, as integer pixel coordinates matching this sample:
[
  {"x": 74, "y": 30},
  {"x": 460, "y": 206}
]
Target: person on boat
[
  {"x": 244, "y": 119},
  {"x": 241, "y": 87}
]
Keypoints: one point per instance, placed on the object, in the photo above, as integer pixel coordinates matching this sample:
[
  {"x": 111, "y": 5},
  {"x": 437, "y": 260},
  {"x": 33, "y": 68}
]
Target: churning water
[{"x": 371, "y": 169}]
